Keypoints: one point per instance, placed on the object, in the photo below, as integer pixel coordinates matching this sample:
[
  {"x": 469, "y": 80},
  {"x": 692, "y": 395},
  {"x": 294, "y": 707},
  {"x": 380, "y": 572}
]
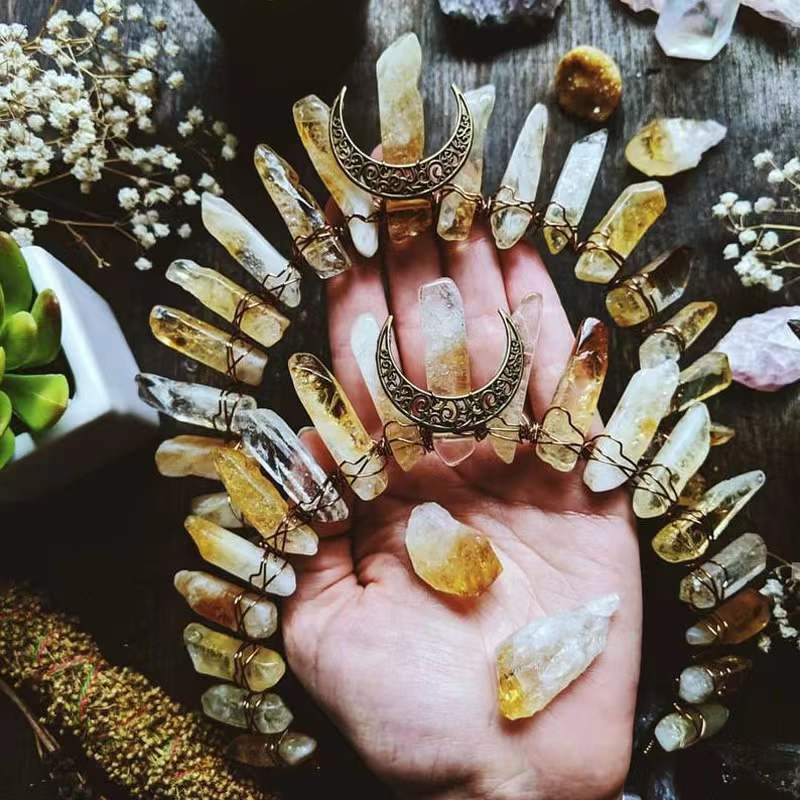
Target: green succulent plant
[{"x": 30, "y": 337}]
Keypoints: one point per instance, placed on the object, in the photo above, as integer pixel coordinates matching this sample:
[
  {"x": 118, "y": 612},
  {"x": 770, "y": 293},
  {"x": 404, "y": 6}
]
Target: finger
[{"x": 331, "y": 567}]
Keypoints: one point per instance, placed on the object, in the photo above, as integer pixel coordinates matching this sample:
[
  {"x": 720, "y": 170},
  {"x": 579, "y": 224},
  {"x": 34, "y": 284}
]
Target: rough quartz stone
[
  {"x": 661, "y": 482},
  {"x": 785, "y": 11},
  {"x": 695, "y": 29},
  {"x": 233, "y": 705},
  {"x": 687, "y": 536},
  {"x": 338, "y": 425},
  {"x": 214, "y": 654},
  {"x": 397, "y": 426},
  {"x": 573, "y": 188},
  {"x": 218, "y": 508},
  {"x": 312, "y": 118},
  {"x": 588, "y": 83},
  {"x": 669, "y": 340},
  {"x": 735, "y": 621},
  {"x": 266, "y": 571},
  {"x": 182, "y": 456},
  {"x": 283, "y": 457},
  {"x": 209, "y": 345},
  {"x": 192, "y": 403},
  {"x": 304, "y": 218},
  {"x": 626, "y": 222},
  {"x": 447, "y": 367},
  {"x": 678, "y": 731},
  {"x": 456, "y": 212},
  {"x": 225, "y": 604},
  {"x": 500, "y": 12},
  {"x": 540, "y": 660},
  {"x": 574, "y": 403},
  {"x": 650, "y": 290},
  {"x": 762, "y": 350},
  {"x": 722, "y": 675},
  {"x": 709, "y": 375},
  {"x": 666, "y": 146},
  {"x": 632, "y": 426},
  {"x": 723, "y": 576},
  {"x": 448, "y": 555},
  {"x": 290, "y": 750},
  {"x": 520, "y": 180},
  {"x": 253, "y": 252}
]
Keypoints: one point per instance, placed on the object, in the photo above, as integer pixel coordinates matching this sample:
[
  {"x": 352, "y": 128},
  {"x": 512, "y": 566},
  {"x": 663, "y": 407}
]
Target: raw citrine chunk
[
  {"x": 709, "y": 375},
  {"x": 735, "y": 621}
]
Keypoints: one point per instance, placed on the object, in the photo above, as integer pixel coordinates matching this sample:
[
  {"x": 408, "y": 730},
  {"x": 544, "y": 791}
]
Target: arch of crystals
[{"x": 656, "y": 440}]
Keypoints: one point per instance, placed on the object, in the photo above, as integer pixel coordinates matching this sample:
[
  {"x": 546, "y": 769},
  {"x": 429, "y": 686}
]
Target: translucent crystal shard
[
  {"x": 217, "y": 349},
  {"x": 233, "y": 705},
  {"x": 723, "y": 576},
  {"x": 735, "y": 621},
  {"x": 311, "y": 118},
  {"x": 540, "y": 660},
  {"x": 683, "y": 728},
  {"x": 620, "y": 230},
  {"x": 696, "y": 29},
  {"x": 182, "y": 456},
  {"x": 631, "y": 428},
  {"x": 520, "y": 181},
  {"x": 528, "y": 319},
  {"x": 573, "y": 189},
  {"x": 669, "y": 340},
  {"x": 251, "y": 249},
  {"x": 448, "y": 555},
  {"x": 721, "y": 434},
  {"x": 289, "y": 750},
  {"x": 338, "y": 425},
  {"x": 225, "y": 604},
  {"x": 641, "y": 296},
  {"x": 661, "y": 483},
  {"x": 446, "y": 356},
  {"x": 667, "y": 146},
  {"x": 262, "y": 505},
  {"x": 217, "y": 508},
  {"x": 709, "y": 375},
  {"x": 259, "y": 320},
  {"x": 456, "y": 212},
  {"x": 403, "y": 434},
  {"x": 283, "y": 457},
  {"x": 721, "y": 676},
  {"x": 574, "y": 403},
  {"x": 403, "y": 130},
  {"x": 237, "y": 556},
  {"x": 313, "y": 236},
  {"x": 687, "y": 536},
  {"x": 214, "y": 654}
]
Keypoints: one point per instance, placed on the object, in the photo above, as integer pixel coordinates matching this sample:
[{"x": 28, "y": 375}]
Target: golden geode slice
[
  {"x": 449, "y": 556},
  {"x": 588, "y": 83}
]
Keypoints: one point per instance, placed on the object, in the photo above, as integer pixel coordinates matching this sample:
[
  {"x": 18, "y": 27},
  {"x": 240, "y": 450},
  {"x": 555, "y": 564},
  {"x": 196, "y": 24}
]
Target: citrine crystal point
[
  {"x": 669, "y": 340},
  {"x": 709, "y": 375},
  {"x": 541, "y": 659},
  {"x": 573, "y": 189},
  {"x": 721, "y": 434},
  {"x": 290, "y": 750},
  {"x": 626, "y": 222},
  {"x": 520, "y": 181},
  {"x": 251, "y": 250},
  {"x": 338, "y": 425},
  {"x": 644, "y": 294},
  {"x": 678, "y": 731},
  {"x": 632, "y": 426},
  {"x": 722, "y": 675},
  {"x": 235, "y": 706},
  {"x": 456, "y": 212},
  {"x": 218, "y": 508},
  {"x": 448, "y": 555},
  {"x": 738, "y": 619},
  {"x": 257, "y": 319},
  {"x": 214, "y": 654},
  {"x": 187, "y": 455},
  {"x": 225, "y": 604},
  {"x": 317, "y": 242},
  {"x": 312, "y": 119}
]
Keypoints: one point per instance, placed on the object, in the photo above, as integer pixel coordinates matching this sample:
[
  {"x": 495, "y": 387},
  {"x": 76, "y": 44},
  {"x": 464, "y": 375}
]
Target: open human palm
[{"x": 408, "y": 673}]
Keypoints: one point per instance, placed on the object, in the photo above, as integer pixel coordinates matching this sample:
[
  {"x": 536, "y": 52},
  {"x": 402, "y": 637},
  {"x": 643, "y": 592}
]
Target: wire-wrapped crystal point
[
  {"x": 666, "y": 146},
  {"x": 695, "y": 29},
  {"x": 185, "y": 455},
  {"x": 683, "y": 728},
  {"x": 218, "y": 508},
  {"x": 448, "y": 555},
  {"x": 669, "y": 340},
  {"x": 574, "y": 403},
  {"x": 687, "y": 536},
  {"x": 620, "y": 230},
  {"x": 520, "y": 181},
  {"x": 720, "y": 676},
  {"x": 233, "y": 705},
  {"x": 288, "y": 750},
  {"x": 735, "y": 621},
  {"x": 709, "y": 375}
]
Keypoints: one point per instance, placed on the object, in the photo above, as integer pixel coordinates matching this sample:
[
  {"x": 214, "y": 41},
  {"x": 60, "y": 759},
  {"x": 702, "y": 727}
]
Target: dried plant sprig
[
  {"x": 142, "y": 739},
  {"x": 75, "y": 103},
  {"x": 783, "y": 589},
  {"x": 768, "y": 229}
]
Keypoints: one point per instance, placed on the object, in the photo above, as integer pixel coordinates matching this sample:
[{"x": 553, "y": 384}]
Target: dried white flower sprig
[
  {"x": 768, "y": 229},
  {"x": 75, "y": 103},
  {"x": 783, "y": 589}
]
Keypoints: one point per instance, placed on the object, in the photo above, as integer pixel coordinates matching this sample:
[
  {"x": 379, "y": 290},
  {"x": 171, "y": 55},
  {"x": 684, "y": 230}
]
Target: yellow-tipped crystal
[{"x": 189, "y": 455}]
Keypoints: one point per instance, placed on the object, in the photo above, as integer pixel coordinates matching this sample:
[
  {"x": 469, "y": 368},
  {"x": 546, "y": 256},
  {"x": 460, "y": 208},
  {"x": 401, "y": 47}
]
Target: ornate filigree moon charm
[
  {"x": 401, "y": 181},
  {"x": 468, "y": 413}
]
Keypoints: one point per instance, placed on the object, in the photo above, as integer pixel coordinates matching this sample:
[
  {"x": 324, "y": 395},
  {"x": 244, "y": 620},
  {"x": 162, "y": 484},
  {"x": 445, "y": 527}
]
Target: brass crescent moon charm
[
  {"x": 401, "y": 181},
  {"x": 462, "y": 414}
]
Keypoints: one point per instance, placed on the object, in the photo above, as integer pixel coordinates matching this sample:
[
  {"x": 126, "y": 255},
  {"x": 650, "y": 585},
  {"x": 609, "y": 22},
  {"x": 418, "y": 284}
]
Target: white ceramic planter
[{"x": 105, "y": 417}]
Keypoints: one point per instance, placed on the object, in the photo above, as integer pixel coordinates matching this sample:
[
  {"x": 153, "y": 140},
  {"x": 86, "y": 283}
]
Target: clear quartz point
[
  {"x": 723, "y": 675},
  {"x": 289, "y": 750},
  {"x": 680, "y": 730},
  {"x": 233, "y": 705},
  {"x": 695, "y": 29},
  {"x": 669, "y": 340}
]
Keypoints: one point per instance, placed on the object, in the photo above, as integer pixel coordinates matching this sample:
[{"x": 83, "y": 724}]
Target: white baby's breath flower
[
  {"x": 791, "y": 169},
  {"x": 772, "y": 588},
  {"x": 769, "y": 241},
  {"x": 719, "y": 211},
  {"x": 185, "y": 128},
  {"x": 228, "y": 152},
  {"x": 205, "y": 181},
  {"x": 182, "y": 181},
  {"x": 143, "y": 264},
  {"x": 171, "y": 48},
  {"x": 16, "y": 214},
  {"x": 171, "y": 162},
  {"x": 788, "y": 631},
  {"x": 779, "y": 612},
  {"x": 89, "y": 20},
  {"x": 190, "y": 197},
  {"x": 764, "y": 205},
  {"x": 773, "y": 282},
  {"x": 39, "y": 217},
  {"x": 742, "y": 207},
  {"x": 185, "y": 230},
  {"x": 195, "y": 115},
  {"x": 731, "y": 251},
  {"x": 764, "y": 643},
  {"x": 728, "y": 199},
  {"x": 175, "y": 79},
  {"x": 776, "y": 177},
  {"x": 128, "y": 198},
  {"x": 219, "y": 127},
  {"x": 160, "y": 230},
  {"x": 110, "y": 34},
  {"x": 763, "y": 158},
  {"x": 22, "y": 236},
  {"x": 134, "y": 12},
  {"x": 747, "y": 236},
  {"x": 158, "y": 23}
]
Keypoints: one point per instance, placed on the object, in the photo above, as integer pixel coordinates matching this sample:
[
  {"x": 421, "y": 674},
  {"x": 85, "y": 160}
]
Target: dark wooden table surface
[{"x": 108, "y": 546}]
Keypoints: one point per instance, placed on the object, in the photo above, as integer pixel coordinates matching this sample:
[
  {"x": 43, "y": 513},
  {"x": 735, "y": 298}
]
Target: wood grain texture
[{"x": 109, "y": 545}]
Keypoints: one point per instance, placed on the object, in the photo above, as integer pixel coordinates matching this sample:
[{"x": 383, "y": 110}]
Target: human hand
[{"x": 408, "y": 673}]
